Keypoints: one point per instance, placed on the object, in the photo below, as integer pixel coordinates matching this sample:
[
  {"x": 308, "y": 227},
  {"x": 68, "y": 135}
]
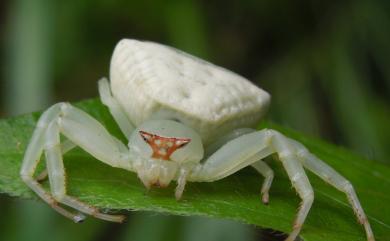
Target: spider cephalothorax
[
  {"x": 164, "y": 150},
  {"x": 173, "y": 108},
  {"x": 159, "y": 173}
]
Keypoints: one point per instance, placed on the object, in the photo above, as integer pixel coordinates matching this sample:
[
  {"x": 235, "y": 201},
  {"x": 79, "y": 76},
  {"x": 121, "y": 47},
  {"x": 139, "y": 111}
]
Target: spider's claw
[
  {"x": 121, "y": 218},
  {"x": 110, "y": 217},
  {"x": 79, "y": 218},
  {"x": 124, "y": 219},
  {"x": 265, "y": 198},
  {"x": 179, "y": 193}
]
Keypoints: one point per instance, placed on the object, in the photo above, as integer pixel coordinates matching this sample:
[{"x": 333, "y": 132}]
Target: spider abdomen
[{"x": 166, "y": 83}]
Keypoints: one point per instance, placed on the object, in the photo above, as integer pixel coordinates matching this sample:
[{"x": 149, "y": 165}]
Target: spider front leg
[
  {"x": 248, "y": 149},
  {"x": 82, "y": 130},
  {"x": 259, "y": 165}
]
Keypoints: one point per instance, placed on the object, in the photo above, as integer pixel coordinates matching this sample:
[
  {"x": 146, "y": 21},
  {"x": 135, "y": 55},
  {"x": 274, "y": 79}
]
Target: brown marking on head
[{"x": 163, "y": 147}]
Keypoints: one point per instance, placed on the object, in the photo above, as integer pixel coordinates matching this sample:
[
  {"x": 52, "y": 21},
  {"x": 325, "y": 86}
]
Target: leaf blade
[{"x": 236, "y": 197}]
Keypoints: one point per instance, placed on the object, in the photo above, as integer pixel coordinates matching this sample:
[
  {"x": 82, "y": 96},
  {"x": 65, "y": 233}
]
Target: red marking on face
[{"x": 163, "y": 147}]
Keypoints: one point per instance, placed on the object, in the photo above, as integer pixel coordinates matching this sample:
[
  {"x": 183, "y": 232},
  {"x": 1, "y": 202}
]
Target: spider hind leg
[{"x": 329, "y": 175}]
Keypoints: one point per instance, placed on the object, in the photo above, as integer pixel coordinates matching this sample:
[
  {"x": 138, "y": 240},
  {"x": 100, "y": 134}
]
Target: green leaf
[{"x": 236, "y": 197}]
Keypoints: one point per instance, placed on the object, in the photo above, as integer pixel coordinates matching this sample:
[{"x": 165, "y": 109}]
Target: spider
[{"x": 186, "y": 120}]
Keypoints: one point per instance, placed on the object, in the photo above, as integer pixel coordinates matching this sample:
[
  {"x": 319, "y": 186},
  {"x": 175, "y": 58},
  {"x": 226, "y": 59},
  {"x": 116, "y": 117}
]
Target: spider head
[{"x": 162, "y": 149}]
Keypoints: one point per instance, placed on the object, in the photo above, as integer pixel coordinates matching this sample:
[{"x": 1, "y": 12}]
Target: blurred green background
[{"x": 326, "y": 64}]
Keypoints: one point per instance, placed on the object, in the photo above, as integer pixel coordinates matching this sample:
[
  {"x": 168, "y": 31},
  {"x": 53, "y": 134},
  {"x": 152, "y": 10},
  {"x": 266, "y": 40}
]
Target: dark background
[{"x": 326, "y": 64}]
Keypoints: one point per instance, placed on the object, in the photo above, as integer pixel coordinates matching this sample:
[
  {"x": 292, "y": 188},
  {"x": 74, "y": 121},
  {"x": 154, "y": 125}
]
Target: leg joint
[
  {"x": 347, "y": 186},
  {"x": 286, "y": 154},
  {"x": 58, "y": 196},
  {"x": 51, "y": 145},
  {"x": 298, "y": 176},
  {"x": 272, "y": 133},
  {"x": 64, "y": 108},
  {"x": 269, "y": 173},
  {"x": 26, "y": 177},
  {"x": 308, "y": 196},
  {"x": 301, "y": 152}
]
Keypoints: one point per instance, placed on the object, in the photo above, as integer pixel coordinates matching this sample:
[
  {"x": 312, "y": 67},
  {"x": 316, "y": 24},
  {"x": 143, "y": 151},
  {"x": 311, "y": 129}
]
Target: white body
[
  {"x": 177, "y": 112},
  {"x": 166, "y": 83}
]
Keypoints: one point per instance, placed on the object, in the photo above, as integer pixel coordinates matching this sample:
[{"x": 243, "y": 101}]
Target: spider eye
[{"x": 146, "y": 136}]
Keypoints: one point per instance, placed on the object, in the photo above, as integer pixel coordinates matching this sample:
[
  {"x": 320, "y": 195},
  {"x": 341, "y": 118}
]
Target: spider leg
[
  {"x": 233, "y": 156},
  {"x": 114, "y": 107},
  {"x": 66, "y": 146},
  {"x": 268, "y": 174},
  {"x": 298, "y": 177},
  {"x": 248, "y": 149},
  {"x": 32, "y": 158},
  {"x": 332, "y": 177},
  {"x": 260, "y": 166},
  {"x": 219, "y": 142},
  {"x": 302, "y": 185},
  {"x": 80, "y": 129},
  {"x": 57, "y": 175}
]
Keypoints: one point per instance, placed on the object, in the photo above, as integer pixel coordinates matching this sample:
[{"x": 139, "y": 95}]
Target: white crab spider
[{"x": 186, "y": 120}]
